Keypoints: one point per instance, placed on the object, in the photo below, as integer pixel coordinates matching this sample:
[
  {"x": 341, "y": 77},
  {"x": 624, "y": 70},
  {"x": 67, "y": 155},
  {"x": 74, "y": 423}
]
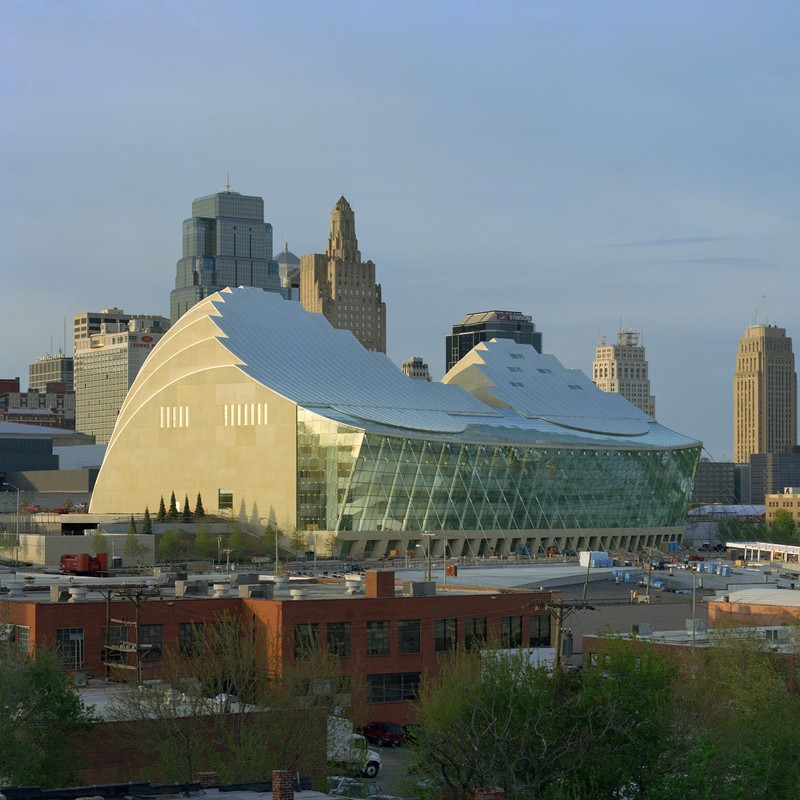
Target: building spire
[
  {"x": 228, "y": 184},
  {"x": 342, "y": 242}
]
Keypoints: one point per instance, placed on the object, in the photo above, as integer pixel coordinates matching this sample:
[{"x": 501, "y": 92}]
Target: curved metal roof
[{"x": 300, "y": 356}]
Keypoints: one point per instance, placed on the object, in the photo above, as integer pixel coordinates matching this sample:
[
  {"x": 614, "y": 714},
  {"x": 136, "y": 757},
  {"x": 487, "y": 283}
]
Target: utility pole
[{"x": 429, "y": 536}]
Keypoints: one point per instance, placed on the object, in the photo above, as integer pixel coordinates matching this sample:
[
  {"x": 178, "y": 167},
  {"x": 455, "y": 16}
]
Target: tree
[
  {"x": 297, "y": 540},
  {"x": 99, "y": 542},
  {"x": 147, "y": 525},
  {"x": 237, "y": 542},
  {"x": 199, "y": 511},
  {"x": 783, "y": 527},
  {"x": 133, "y": 549},
  {"x": 162, "y": 511},
  {"x": 132, "y": 526},
  {"x": 496, "y": 719},
  {"x": 742, "y": 712},
  {"x": 169, "y": 545},
  {"x": 39, "y": 713},
  {"x": 173, "y": 508},
  {"x": 205, "y": 545},
  {"x": 187, "y": 511},
  {"x": 267, "y": 543},
  {"x": 230, "y": 708}
]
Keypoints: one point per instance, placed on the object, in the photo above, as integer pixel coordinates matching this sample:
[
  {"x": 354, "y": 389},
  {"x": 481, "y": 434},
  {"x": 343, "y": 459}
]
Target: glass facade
[{"x": 352, "y": 480}]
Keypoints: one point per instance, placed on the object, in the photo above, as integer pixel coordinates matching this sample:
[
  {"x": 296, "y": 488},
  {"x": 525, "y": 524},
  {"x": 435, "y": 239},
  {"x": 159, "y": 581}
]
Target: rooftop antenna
[{"x": 228, "y": 184}]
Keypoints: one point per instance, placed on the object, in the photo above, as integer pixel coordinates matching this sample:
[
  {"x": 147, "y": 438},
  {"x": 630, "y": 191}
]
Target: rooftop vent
[{"x": 419, "y": 588}]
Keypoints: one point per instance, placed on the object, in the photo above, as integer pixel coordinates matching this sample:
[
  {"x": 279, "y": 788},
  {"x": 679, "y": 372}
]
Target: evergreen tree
[
  {"x": 173, "y": 508},
  {"x": 199, "y": 511},
  {"x": 162, "y": 511},
  {"x": 147, "y": 525},
  {"x": 187, "y": 511},
  {"x": 132, "y": 526}
]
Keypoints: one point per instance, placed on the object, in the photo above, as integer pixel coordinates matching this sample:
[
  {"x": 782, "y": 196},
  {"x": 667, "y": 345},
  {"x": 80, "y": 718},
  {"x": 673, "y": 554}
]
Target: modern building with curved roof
[{"x": 269, "y": 412}]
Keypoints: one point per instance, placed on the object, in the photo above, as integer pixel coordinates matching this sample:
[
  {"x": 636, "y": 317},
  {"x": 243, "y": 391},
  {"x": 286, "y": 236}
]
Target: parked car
[
  {"x": 353, "y": 568},
  {"x": 384, "y": 734}
]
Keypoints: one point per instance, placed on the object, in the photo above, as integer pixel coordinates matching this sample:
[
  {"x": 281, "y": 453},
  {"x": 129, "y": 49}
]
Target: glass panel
[{"x": 408, "y": 636}]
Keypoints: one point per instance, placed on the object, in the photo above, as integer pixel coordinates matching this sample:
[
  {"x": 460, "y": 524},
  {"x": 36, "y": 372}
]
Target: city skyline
[{"x": 586, "y": 164}]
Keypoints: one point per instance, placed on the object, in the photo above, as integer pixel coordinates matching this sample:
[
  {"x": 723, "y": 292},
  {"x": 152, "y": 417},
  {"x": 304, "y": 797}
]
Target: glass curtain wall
[{"x": 352, "y": 480}]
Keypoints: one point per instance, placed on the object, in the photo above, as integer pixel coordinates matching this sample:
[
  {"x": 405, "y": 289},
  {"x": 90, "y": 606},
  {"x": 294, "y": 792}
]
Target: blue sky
[{"x": 582, "y": 162}]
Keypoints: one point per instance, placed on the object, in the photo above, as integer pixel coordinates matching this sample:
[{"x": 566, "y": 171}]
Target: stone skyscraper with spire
[{"x": 342, "y": 287}]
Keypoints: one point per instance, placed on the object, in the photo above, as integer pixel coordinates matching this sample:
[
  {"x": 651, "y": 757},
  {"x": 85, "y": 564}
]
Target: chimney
[
  {"x": 282, "y": 788},
  {"x": 380, "y": 583}
]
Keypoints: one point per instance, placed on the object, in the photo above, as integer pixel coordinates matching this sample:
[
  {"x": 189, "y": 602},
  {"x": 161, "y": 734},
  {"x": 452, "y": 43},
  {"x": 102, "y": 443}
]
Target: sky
[{"x": 589, "y": 163}]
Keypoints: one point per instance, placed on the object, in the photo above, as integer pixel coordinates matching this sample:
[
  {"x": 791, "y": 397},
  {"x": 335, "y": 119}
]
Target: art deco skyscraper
[
  {"x": 341, "y": 287},
  {"x": 622, "y": 368},
  {"x": 764, "y": 393},
  {"x": 225, "y": 243}
]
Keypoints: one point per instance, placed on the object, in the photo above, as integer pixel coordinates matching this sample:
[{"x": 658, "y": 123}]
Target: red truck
[{"x": 84, "y": 564}]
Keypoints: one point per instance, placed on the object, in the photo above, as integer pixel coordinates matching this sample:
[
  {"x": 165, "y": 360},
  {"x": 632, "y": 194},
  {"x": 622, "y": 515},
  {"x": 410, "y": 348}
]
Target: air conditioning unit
[{"x": 642, "y": 629}]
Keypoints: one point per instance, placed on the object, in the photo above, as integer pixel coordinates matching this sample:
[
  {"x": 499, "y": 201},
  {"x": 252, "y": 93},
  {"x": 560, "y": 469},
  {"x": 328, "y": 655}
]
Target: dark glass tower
[
  {"x": 486, "y": 325},
  {"x": 225, "y": 243}
]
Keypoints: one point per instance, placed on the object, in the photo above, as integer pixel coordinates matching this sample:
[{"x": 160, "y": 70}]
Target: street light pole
[
  {"x": 429, "y": 536},
  {"x": 16, "y": 519}
]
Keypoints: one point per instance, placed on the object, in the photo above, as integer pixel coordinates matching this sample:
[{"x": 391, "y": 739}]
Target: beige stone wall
[{"x": 173, "y": 435}]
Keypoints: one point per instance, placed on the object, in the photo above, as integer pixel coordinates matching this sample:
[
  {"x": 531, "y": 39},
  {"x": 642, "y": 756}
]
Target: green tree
[
  {"x": 273, "y": 722},
  {"x": 173, "y": 508},
  {"x": 186, "y": 515},
  {"x": 99, "y": 542},
  {"x": 199, "y": 511},
  {"x": 497, "y": 720},
  {"x": 132, "y": 526},
  {"x": 742, "y": 711},
  {"x": 147, "y": 525},
  {"x": 268, "y": 541},
  {"x": 162, "y": 511},
  {"x": 783, "y": 528},
  {"x": 134, "y": 549},
  {"x": 237, "y": 542},
  {"x": 205, "y": 545},
  {"x": 169, "y": 545},
  {"x": 297, "y": 540},
  {"x": 39, "y": 714}
]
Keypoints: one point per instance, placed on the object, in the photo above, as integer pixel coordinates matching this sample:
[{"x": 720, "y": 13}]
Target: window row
[
  {"x": 338, "y": 636},
  {"x": 245, "y": 414}
]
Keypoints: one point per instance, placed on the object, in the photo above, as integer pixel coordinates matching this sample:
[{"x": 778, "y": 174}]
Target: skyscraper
[
  {"x": 341, "y": 287},
  {"x": 414, "y": 367},
  {"x": 764, "y": 393},
  {"x": 225, "y": 243},
  {"x": 483, "y": 326},
  {"x": 622, "y": 368},
  {"x": 110, "y": 348},
  {"x": 52, "y": 368}
]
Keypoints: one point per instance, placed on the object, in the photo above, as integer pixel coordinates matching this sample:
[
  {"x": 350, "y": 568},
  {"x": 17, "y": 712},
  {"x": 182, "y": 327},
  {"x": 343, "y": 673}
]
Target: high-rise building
[
  {"x": 225, "y": 243},
  {"x": 110, "y": 348},
  {"x": 622, "y": 368},
  {"x": 416, "y": 369},
  {"x": 53, "y": 368},
  {"x": 483, "y": 326},
  {"x": 289, "y": 273},
  {"x": 342, "y": 287},
  {"x": 764, "y": 393}
]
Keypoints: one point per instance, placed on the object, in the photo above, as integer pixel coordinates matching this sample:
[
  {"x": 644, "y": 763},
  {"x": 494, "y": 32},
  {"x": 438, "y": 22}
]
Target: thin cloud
[{"x": 671, "y": 242}]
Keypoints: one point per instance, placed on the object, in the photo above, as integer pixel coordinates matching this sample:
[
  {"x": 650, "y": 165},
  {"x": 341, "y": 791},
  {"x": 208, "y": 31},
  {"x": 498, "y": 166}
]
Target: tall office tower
[
  {"x": 289, "y": 273},
  {"x": 483, "y": 326},
  {"x": 110, "y": 348},
  {"x": 53, "y": 368},
  {"x": 416, "y": 368},
  {"x": 225, "y": 243},
  {"x": 341, "y": 287},
  {"x": 622, "y": 368},
  {"x": 764, "y": 393}
]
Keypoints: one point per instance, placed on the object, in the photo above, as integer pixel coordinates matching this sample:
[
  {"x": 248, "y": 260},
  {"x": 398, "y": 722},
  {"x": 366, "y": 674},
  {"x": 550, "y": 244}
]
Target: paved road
[{"x": 393, "y": 777}]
